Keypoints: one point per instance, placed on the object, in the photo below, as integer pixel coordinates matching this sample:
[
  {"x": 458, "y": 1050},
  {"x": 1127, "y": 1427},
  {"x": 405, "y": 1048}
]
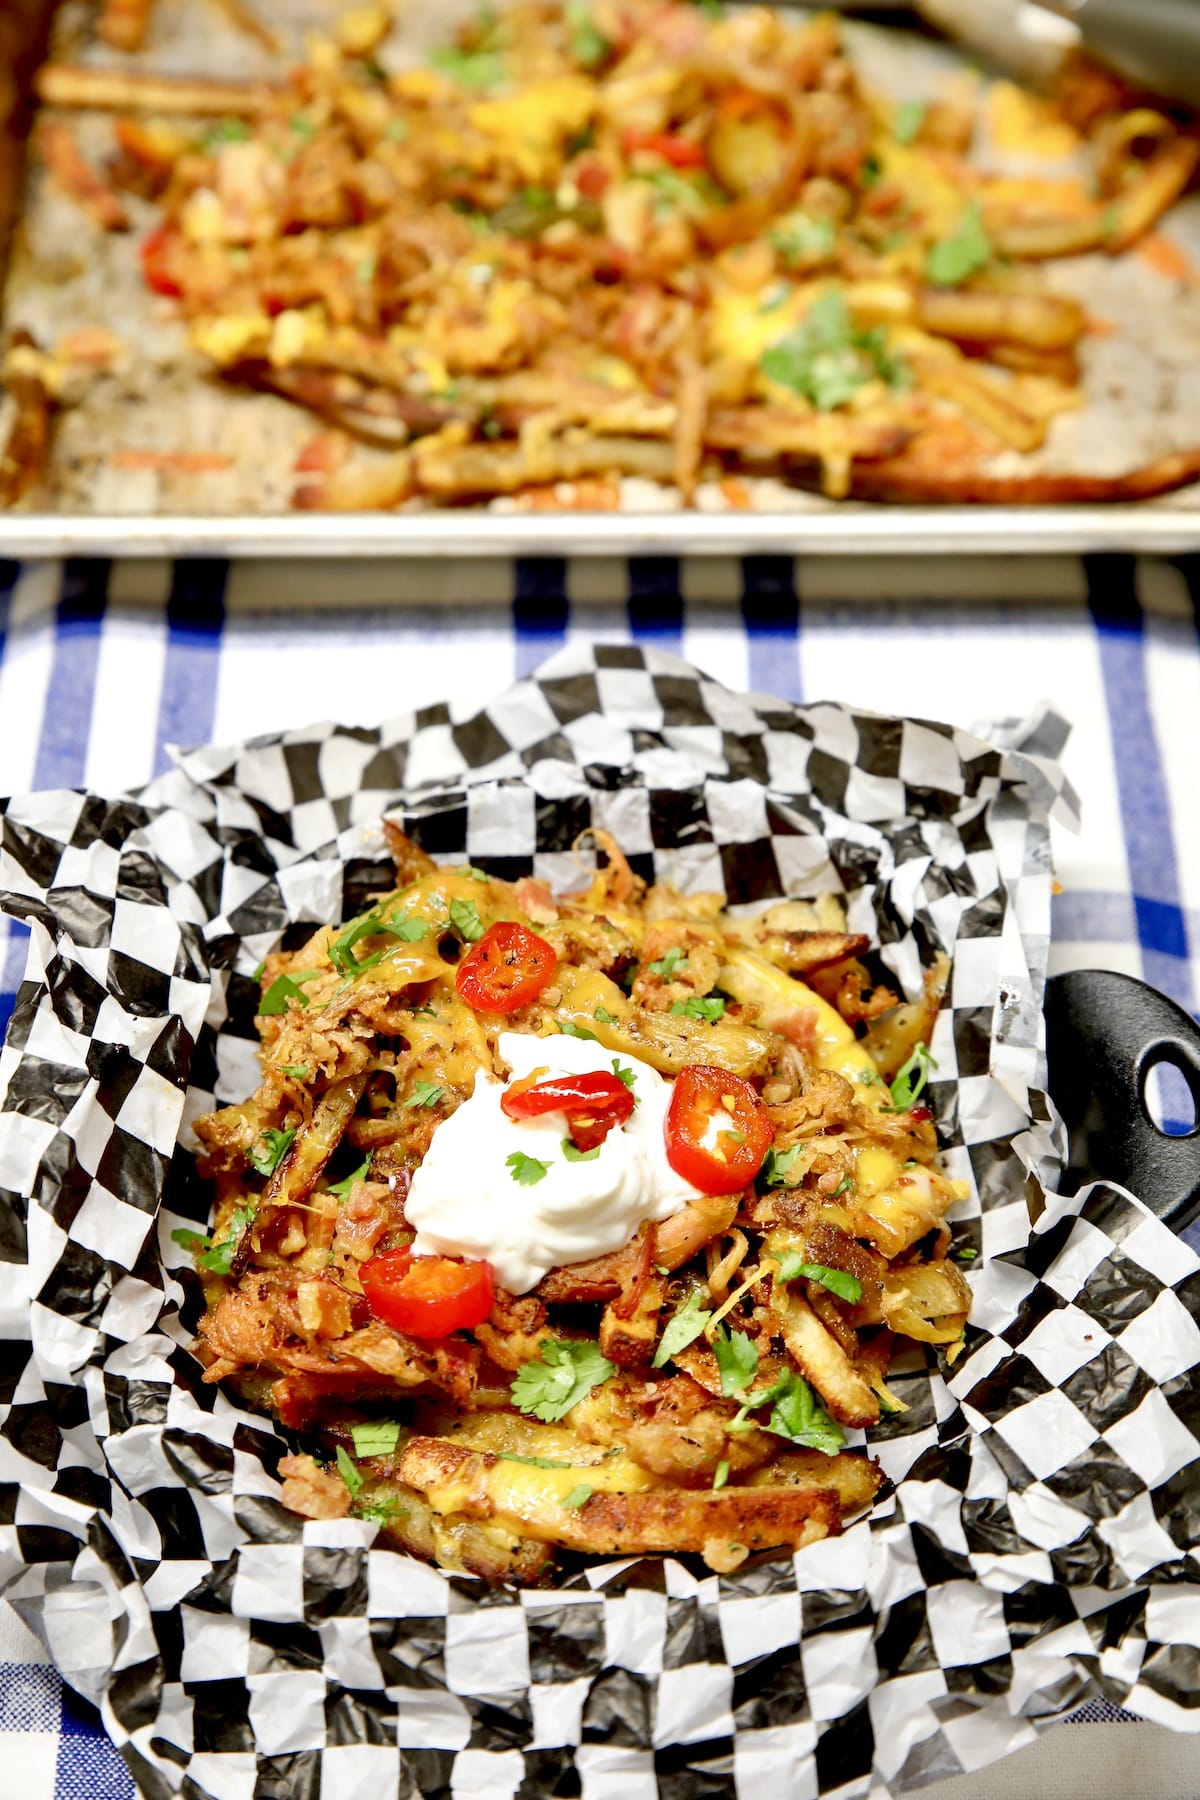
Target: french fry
[
  {"x": 1042, "y": 321},
  {"x": 1147, "y": 198},
  {"x": 124, "y": 23},
  {"x": 23, "y": 457},
  {"x": 125, "y": 90},
  {"x": 982, "y": 398}
]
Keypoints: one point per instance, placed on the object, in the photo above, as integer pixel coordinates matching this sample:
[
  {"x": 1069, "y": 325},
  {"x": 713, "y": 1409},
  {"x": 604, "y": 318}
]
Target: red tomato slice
[
  {"x": 719, "y": 1160},
  {"x": 679, "y": 152},
  {"x": 157, "y": 261},
  {"x": 427, "y": 1296},
  {"x": 506, "y": 969},
  {"x": 593, "y": 1103}
]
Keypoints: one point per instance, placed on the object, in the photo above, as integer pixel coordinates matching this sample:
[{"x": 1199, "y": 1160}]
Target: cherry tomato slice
[
  {"x": 506, "y": 969},
  {"x": 427, "y": 1296},
  {"x": 717, "y": 1129},
  {"x": 593, "y": 1103},
  {"x": 157, "y": 261},
  {"x": 679, "y": 152}
]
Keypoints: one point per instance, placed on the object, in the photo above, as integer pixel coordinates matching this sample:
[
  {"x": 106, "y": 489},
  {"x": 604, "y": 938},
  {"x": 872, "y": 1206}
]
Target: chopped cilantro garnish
[
  {"x": 792, "y": 1267},
  {"x": 603, "y": 1017},
  {"x": 565, "y": 1372},
  {"x": 844, "y": 1186},
  {"x": 573, "y": 1153},
  {"x": 285, "y": 988},
  {"x": 378, "y": 1438},
  {"x": 737, "y": 1359},
  {"x": 380, "y": 1511},
  {"x": 795, "y": 1414},
  {"x": 533, "y": 1462},
  {"x": 667, "y": 964},
  {"x": 589, "y": 47},
  {"x": 569, "y": 1028},
  {"x": 802, "y": 240},
  {"x": 526, "y": 1170},
  {"x": 700, "y": 1006},
  {"x": 349, "y": 1473},
  {"x": 302, "y": 126},
  {"x": 226, "y": 131},
  {"x": 364, "y": 269},
  {"x": 464, "y": 917},
  {"x": 911, "y": 1079},
  {"x": 410, "y": 931},
  {"x": 777, "y": 1166},
  {"x": 216, "y": 1259},
  {"x": 341, "y": 1188},
  {"x": 720, "y": 1477},
  {"x": 967, "y": 1253},
  {"x": 425, "y": 1093},
  {"x": 907, "y": 120},
  {"x": 683, "y": 1329},
  {"x": 579, "y": 1496},
  {"x": 963, "y": 253},
  {"x": 297, "y": 1071},
  {"x": 827, "y": 358},
  {"x": 258, "y": 973},
  {"x": 473, "y": 68},
  {"x": 267, "y": 1155},
  {"x": 625, "y": 1075}
]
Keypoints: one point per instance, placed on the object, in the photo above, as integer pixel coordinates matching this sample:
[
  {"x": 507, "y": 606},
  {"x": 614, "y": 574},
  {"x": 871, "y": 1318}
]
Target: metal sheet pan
[{"x": 1143, "y": 382}]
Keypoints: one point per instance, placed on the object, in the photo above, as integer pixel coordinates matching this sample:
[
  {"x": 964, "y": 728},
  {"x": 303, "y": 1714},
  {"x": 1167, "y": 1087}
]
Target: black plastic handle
[{"x": 1104, "y": 1034}]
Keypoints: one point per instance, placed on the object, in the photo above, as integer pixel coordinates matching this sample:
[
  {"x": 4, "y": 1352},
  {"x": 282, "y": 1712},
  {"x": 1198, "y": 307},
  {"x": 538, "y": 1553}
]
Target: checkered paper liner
[{"x": 1036, "y": 1547}]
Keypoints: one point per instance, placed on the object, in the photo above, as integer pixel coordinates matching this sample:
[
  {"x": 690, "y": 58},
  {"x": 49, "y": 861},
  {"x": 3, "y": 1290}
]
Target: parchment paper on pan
[{"x": 1039, "y": 1545}]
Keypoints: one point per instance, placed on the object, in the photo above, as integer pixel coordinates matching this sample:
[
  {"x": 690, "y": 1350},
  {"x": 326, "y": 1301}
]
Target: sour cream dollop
[{"x": 465, "y": 1201}]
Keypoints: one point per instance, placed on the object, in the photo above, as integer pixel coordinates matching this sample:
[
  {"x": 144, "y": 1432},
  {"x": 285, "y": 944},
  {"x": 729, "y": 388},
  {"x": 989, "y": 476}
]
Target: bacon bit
[
  {"x": 536, "y": 901},
  {"x": 322, "y": 454},
  {"x": 1167, "y": 259},
  {"x": 572, "y": 496},
  {"x": 171, "y": 462},
  {"x": 91, "y": 344},
  {"x": 592, "y": 178},
  {"x": 62, "y": 156},
  {"x": 736, "y": 493},
  {"x": 799, "y": 1028}
]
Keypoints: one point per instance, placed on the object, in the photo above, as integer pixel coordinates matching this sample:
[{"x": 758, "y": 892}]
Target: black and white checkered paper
[{"x": 1038, "y": 1545}]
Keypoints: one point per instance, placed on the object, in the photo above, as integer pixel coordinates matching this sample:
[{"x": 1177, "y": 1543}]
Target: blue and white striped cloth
[{"x": 104, "y": 666}]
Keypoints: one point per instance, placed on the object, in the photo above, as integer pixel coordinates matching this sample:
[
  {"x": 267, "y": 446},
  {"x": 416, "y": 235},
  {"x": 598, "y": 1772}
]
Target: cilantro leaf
[
  {"x": 526, "y": 1170},
  {"x": 965, "y": 1253},
  {"x": 777, "y": 1166},
  {"x": 534, "y": 1462},
  {"x": 797, "y": 1416},
  {"x": 793, "y": 1268},
  {"x": 472, "y": 68},
  {"x": 720, "y": 1477},
  {"x": 907, "y": 120},
  {"x": 410, "y": 931},
  {"x": 425, "y": 1093},
  {"x": 285, "y": 988},
  {"x": 218, "y": 1258},
  {"x": 700, "y": 1006},
  {"x": 603, "y": 1017},
  {"x": 342, "y": 1188},
  {"x": 349, "y": 1473},
  {"x": 968, "y": 249},
  {"x": 844, "y": 1186},
  {"x": 579, "y": 1496},
  {"x": 297, "y": 1071},
  {"x": 341, "y": 950},
  {"x": 464, "y": 917},
  {"x": 258, "y": 973},
  {"x": 277, "y": 1143},
  {"x": 589, "y": 47},
  {"x": 625, "y": 1075},
  {"x": 565, "y": 1372},
  {"x": 827, "y": 358},
  {"x": 667, "y": 964},
  {"x": 569, "y": 1028},
  {"x": 737, "y": 1359},
  {"x": 573, "y": 1153},
  {"x": 379, "y": 1438},
  {"x": 380, "y": 1511},
  {"x": 911, "y": 1078},
  {"x": 683, "y": 1329},
  {"x": 802, "y": 240}
]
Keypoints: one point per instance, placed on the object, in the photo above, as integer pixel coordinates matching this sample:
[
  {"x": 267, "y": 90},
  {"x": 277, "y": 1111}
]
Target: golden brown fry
[
  {"x": 469, "y": 471},
  {"x": 982, "y": 398},
  {"x": 1149, "y": 195},
  {"x": 313, "y": 1145},
  {"x": 23, "y": 458},
  {"x": 917, "y": 480},
  {"x": 725, "y": 1526},
  {"x": 979, "y": 315},
  {"x": 823, "y": 1361},
  {"x": 855, "y": 1479},
  {"x": 125, "y": 90},
  {"x": 244, "y": 20}
]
